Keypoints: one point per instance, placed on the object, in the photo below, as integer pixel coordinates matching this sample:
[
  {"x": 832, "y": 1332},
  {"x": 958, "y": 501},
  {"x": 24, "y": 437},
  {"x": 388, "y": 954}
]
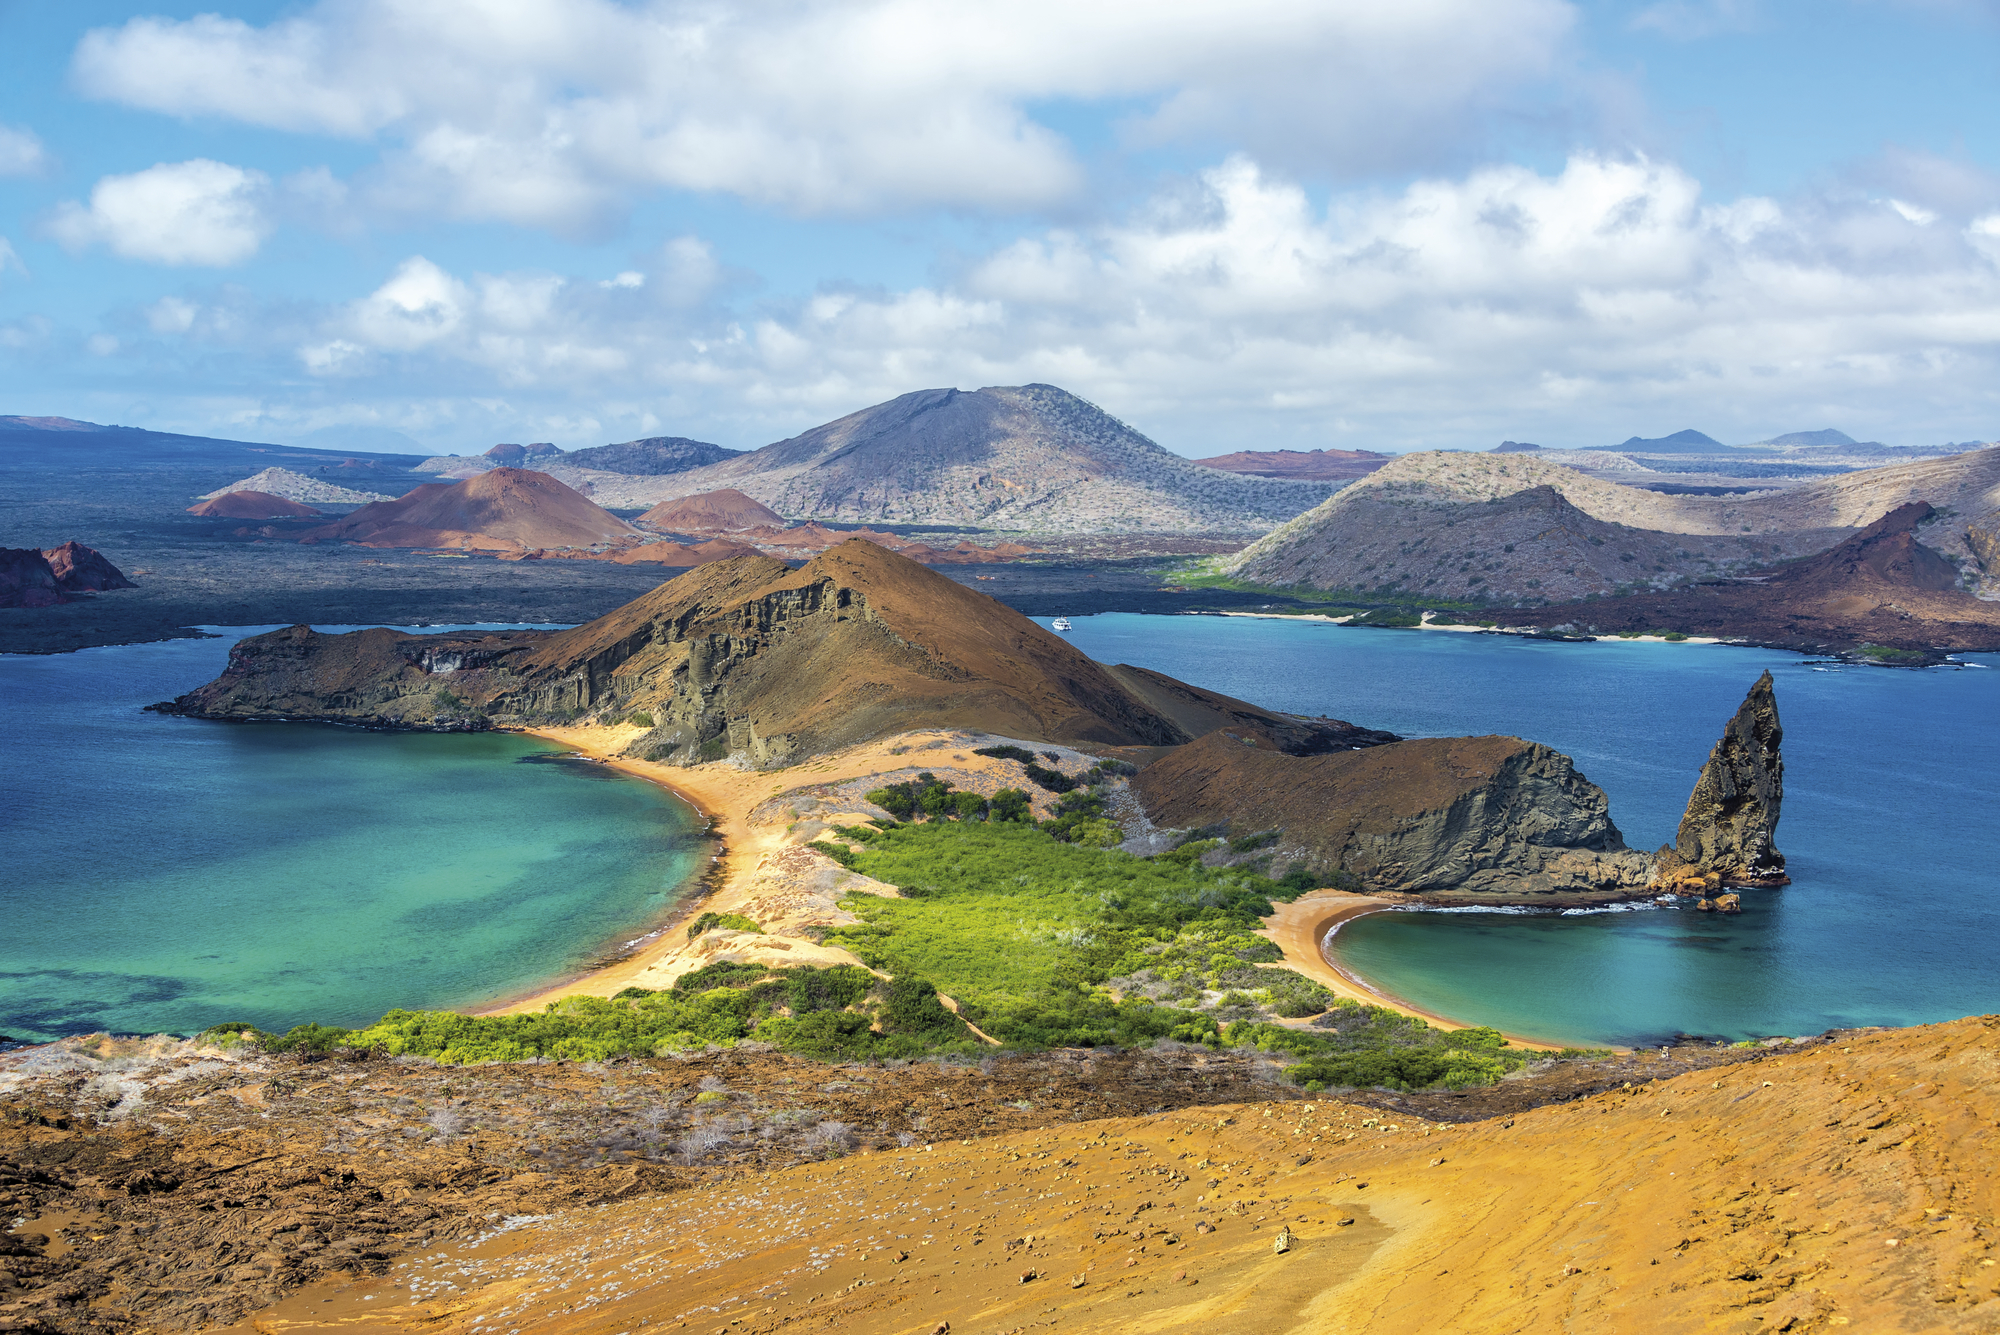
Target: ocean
[
  {"x": 1892, "y": 779},
  {"x": 166, "y": 874}
]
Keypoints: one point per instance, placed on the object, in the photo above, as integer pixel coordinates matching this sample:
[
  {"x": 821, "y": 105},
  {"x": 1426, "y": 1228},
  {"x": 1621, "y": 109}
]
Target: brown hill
[
  {"x": 745, "y": 657},
  {"x": 1315, "y": 465},
  {"x": 711, "y": 512},
  {"x": 1468, "y": 817},
  {"x": 252, "y": 505},
  {"x": 1880, "y": 587},
  {"x": 503, "y": 509}
]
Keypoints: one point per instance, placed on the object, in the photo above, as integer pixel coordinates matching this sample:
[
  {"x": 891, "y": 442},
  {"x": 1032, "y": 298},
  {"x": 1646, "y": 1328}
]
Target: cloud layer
[
  {"x": 1595, "y": 302},
  {"x": 552, "y": 113}
]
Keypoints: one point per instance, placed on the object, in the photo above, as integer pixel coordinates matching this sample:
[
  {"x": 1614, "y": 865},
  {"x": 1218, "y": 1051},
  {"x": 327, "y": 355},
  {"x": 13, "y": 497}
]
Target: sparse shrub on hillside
[
  {"x": 733, "y": 921},
  {"x": 1019, "y": 753}
]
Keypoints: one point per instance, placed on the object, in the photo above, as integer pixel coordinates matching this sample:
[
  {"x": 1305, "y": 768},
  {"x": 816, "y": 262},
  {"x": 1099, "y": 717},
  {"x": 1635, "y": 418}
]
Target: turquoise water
[
  {"x": 165, "y": 874},
  {"x": 1892, "y": 783}
]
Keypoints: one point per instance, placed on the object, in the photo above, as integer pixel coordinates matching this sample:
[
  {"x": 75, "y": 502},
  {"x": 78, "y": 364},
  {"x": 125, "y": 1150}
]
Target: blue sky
[{"x": 1254, "y": 225}]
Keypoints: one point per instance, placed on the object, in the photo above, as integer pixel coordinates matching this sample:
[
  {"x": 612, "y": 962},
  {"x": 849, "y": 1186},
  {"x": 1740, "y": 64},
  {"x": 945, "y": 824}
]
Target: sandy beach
[
  {"x": 763, "y": 863},
  {"x": 763, "y": 867},
  {"x": 1300, "y": 926}
]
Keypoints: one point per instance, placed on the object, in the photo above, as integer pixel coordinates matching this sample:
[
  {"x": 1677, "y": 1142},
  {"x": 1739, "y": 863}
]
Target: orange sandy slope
[{"x": 1846, "y": 1185}]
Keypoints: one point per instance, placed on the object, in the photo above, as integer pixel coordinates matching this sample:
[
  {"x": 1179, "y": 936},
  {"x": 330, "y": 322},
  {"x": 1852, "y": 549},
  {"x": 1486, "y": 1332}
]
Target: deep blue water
[
  {"x": 166, "y": 874},
  {"x": 1892, "y": 787}
]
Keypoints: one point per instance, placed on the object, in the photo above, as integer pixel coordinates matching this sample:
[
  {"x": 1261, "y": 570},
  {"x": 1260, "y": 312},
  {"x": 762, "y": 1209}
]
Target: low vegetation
[{"x": 1044, "y": 934}]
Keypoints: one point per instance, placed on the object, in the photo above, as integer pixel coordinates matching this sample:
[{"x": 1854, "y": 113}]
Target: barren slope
[
  {"x": 1429, "y": 524},
  {"x": 1882, "y": 586},
  {"x": 1844, "y": 1185},
  {"x": 742, "y": 657},
  {"x": 503, "y": 509},
  {"x": 1029, "y": 457}
]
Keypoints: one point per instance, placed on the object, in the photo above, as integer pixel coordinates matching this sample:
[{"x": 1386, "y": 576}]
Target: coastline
[
  {"x": 756, "y": 863},
  {"x": 1299, "y": 927},
  {"x": 726, "y": 797}
]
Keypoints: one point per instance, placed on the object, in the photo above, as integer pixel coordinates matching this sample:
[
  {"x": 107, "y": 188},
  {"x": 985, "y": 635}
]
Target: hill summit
[
  {"x": 1027, "y": 457},
  {"x": 751, "y": 658},
  {"x": 503, "y": 509}
]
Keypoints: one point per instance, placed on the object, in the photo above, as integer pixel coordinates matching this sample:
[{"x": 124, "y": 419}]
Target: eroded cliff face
[
  {"x": 1732, "y": 815},
  {"x": 1479, "y": 818},
  {"x": 744, "y": 658}
]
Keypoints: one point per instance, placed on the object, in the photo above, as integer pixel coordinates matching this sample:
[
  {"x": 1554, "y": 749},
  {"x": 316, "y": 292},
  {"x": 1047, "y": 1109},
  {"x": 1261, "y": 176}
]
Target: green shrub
[
  {"x": 640, "y": 720},
  {"x": 1010, "y": 804},
  {"x": 732, "y": 921},
  {"x": 1021, "y": 754},
  {"x": 716, "y": 748}
]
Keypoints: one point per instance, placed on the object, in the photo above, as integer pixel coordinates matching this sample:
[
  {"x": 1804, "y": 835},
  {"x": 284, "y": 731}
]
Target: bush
[
  {"x": 732, "y": 921},
  {"x": 716, "y": 748},
  {"x": 1007, "y": 753},
  {"x": 1010, "y": 804},
  {"x": 640, "y": 720},
  {"x": 1052, "y": 779}
]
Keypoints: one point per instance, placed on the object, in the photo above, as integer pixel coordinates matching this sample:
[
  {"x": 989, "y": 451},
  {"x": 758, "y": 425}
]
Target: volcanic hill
[
  {"x": 1314, "y": 465},
  {"x": 252, "y": 505},
  {"x": 1030, "y": 457},
  {"x": 1882, "y": 587},
  {"x": 711, "y": 512},
  {"x": 1519, "y": 528},
  {"x": 655, "y": 456},
  {"x": 503, "y": 509},
  {"x": 747, "y": 657},
  {"x": 295, "y": 487}
]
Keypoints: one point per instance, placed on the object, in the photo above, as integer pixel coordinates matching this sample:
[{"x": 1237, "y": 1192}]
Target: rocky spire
[{"x": 1733, "y": 813}]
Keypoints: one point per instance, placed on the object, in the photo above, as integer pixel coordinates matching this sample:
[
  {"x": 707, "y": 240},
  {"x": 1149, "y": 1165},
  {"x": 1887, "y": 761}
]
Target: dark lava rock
[{"x": 1732, "y": 814}]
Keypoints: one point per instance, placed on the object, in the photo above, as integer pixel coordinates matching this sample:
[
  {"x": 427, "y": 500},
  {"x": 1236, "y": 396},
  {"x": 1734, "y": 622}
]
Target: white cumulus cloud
[
  {"x": 1576, "y": 307},
  {"x": 553, "y": 112},
  {"x": 197, "y": 212},
  {"x": 21, "y": 152}
]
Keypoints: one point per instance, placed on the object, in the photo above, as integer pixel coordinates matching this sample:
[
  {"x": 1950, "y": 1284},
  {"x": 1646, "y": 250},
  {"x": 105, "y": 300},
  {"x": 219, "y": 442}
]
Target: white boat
[{"x": 1060, "y": 623}]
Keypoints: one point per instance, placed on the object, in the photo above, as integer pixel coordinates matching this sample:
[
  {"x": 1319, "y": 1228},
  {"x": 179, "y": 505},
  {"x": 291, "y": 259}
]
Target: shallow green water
[{"x": 168, "y": 874}]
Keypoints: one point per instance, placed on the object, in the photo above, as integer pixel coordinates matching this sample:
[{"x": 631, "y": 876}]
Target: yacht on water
[{"x": 1060, "y": 623}]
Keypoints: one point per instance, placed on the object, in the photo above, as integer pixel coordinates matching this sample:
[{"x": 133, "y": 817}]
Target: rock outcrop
[
  {"x": 26, "y": 580},
  {"x": 81, "y": 569},
  {"x": 745, "y": 658},
  {"x": 46, "y": 577},
  {"x": 1732, "y": 815},
  {"x": 1477, "y": 819}
]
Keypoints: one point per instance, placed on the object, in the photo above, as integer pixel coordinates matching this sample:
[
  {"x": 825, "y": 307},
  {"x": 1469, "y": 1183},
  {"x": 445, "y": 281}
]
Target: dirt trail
[{"x": 1845, "y": 1185}]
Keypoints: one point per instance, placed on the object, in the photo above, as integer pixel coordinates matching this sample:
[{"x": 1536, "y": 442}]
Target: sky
[{"x": 436, "y": 225}]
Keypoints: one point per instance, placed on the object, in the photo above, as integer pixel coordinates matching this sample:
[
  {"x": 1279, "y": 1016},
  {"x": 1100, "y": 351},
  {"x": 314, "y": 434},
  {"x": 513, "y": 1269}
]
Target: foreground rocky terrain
[{"x": 1818, "y": 1185}]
